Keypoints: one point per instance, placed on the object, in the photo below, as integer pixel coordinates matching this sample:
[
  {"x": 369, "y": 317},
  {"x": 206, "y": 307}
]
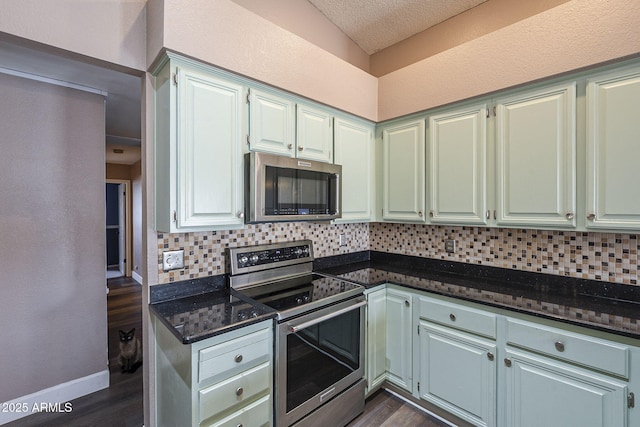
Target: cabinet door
[
  {"x": 613, "y": 150},
  {"x": 458, "y": 166},
  {"x": 399, "y": 342},
  {"x": 458, "y": 373},
  {"x": 314, "y": 134},
  {"x": 272, "y": 124},
  {"x": 536, "y": 158},
  {"x": 209, "y": 163},
  {"x": 543, "y": 392},
  {"x": 403, "y": 173},
  {"x": 376, "y": 338},
  {"x": 354, "y": 151}
]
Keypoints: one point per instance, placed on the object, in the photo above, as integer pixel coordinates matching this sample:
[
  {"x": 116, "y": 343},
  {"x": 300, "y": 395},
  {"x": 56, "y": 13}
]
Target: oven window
[{"x": 321, "y": 355}]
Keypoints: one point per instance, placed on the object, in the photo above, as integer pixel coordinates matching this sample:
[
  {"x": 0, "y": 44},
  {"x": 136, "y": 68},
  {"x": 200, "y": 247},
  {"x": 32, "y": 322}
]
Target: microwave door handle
[{"x": 301, "y": 326}]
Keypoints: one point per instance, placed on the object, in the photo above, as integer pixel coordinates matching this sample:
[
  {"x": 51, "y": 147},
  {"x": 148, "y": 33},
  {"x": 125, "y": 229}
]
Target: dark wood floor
[
  {"x": 383, "y": 409},
  {"x": 121, "y": 403}
]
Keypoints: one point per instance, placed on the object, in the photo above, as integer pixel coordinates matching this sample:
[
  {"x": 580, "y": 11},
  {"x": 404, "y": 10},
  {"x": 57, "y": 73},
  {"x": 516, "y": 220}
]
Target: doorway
[{"x": 118, "y": 228}]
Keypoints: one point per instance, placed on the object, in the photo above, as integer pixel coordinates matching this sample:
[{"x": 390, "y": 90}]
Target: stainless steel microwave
[{"x": 286, "y": 189}]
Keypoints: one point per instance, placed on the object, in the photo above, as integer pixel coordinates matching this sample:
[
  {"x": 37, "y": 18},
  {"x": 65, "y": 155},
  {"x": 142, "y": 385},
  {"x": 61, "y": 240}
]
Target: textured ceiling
[{"x": 377, "y": 24}]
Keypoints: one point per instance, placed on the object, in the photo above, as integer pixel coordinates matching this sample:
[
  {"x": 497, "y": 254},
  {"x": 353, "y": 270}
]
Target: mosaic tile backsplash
[{"x": 610, "y": 257}]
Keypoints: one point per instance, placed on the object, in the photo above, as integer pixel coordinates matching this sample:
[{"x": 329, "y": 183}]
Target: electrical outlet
[
  {"x": 342, "y": 240},
  {"x": 450, "y": 246},
  {"x": 172, "y": 260}
]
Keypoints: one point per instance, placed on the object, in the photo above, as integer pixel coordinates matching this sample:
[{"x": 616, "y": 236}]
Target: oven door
[{"x": 319, "y": 355}]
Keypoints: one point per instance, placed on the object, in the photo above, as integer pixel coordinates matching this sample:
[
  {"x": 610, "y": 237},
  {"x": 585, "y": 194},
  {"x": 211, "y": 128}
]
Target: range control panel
[{"x": 270, "y": 256}]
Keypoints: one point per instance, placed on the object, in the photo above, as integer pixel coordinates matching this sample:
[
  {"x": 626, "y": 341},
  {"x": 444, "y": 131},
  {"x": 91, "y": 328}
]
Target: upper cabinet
[
  {"x": 536, "y": 158},
  {"x": 353, "y": 142},
  {"x": 458, "y": 166},
  {"x": 271, "y": 123},
  {"x": 613, "y": 150},
  {"x": 198, "y": 155},
  {"x": 314, "y": 134},
  {"x": 403, "y": 171}
]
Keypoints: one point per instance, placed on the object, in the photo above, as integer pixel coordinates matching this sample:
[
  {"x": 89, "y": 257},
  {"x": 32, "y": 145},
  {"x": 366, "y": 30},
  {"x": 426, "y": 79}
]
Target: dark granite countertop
[
  {"x": 606, "y": 306},
  {"x": 208, "y": 313}
]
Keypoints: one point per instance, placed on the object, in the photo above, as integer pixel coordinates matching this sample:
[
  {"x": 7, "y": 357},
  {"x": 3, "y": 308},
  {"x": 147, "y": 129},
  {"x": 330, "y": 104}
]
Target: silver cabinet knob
[
  {"x": 591, "y": 216},
  {"x": 420, "y": 214},
  {"x": 452, "y": 317},
  {"x": 488, "y": 214},
  {"x": 240, "y": 215},
  {"x": 559, "y": 346},
  {"x": 569, "y": 215},
  {"x": 490, "y": 356},
  {"x": 431, "y": 213},
  {"x": 239, "y": 391},
  {"x": 300, "y": 148},
  {"x": 238, "y": 358},
  {"x": 290, "y": 146},
  {"x": 507, "y": 362},
  {"x": 406, "y": 303}
]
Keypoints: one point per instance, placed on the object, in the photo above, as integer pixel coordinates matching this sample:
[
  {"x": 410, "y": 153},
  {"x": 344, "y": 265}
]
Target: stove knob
[
  {"x": 298, "y": 251},
  {"x": 254, "y": 258},
  {"x": 298, "y": 300},
  {"x": 243, "y": 259},
  {"x": 254, "y": 314},
  {"x": 305, "y": 298},
  {"x": 242, "y": 316}
]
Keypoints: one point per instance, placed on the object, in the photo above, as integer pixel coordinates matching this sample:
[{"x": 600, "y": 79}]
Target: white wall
[
  {"x": 568, "y": 37},
  {"x": 109, "y": 30},
  {"x": 53, "y": 307}
]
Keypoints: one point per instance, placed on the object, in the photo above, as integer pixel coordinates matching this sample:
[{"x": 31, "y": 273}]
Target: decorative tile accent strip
[
  {"x": 204, "y": 252},
  {"x": 609, "y": 257}
]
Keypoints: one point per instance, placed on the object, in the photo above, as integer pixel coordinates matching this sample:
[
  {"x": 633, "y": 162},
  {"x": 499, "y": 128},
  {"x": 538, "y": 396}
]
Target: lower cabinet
[
  {"x": 458, "y": 373},
  {"x": 544, "y": 392},
  {"x": 491, "y": 367},
  {"x": 399, "y": 339},
  {"x": 225, "y": 380}
]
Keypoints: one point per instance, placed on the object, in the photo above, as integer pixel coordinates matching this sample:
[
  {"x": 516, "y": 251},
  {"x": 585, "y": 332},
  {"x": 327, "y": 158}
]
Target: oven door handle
[{"x": 301, "y": 326}]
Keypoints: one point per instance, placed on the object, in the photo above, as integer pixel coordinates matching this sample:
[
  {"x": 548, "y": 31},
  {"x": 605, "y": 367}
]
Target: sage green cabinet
[
  {"x": 458, "y": 373},
  {"x": 220, "y": 381},
  {"x": 314, "y": 134},
  {"x": 403, "y": 171},
  {"x": 198, "y": 153},
  {"x": 271, "y": 123},
  {"x": 545, "y": 392},
  {"x": 399, "y": 338},
  {"x": 458, "y": 166},
  {"x": 613, "y": 150},
  {"x": 354, "y": 151},
  {"x": 536, "y": 158},
  {"x": 376, "y": 338}
]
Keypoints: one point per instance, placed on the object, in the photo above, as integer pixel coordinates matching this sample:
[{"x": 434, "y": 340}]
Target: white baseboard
[
  {"x": 135, "y": 276},
  {"x": 54, "y": 398}
]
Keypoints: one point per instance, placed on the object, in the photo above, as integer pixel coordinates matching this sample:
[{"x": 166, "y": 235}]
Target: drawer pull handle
[
  {"x": 559, "y": 346},
  {"x": 239, "y": 391},
  {"x": 490, "y": 356},
  {"x": 238, "y": 358},
  {"x": 452, "y": 317}
]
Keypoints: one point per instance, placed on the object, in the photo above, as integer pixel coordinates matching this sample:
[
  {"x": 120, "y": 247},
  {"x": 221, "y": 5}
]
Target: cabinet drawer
[
  {"x": 256, "y": 414},
  {"x": 588, "y": 351},
  {"x": 234, "y": 353},
  {"x": 458, "y": 316},
  {"x": 226, "y": 394}
]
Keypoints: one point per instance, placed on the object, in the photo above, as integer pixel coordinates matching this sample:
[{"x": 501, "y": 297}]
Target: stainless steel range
[{"x": 319, "y": 339}]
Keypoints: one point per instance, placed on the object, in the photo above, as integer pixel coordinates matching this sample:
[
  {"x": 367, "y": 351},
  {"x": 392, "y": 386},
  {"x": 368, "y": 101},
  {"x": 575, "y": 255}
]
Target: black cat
[{"x": 130, "y": 357}]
